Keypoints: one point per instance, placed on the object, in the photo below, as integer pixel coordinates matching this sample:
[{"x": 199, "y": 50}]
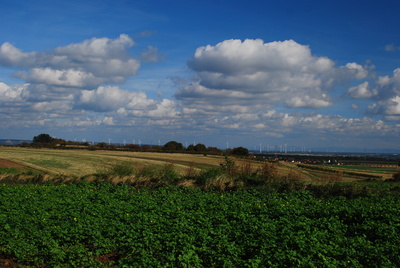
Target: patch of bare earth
[{"x": 9, "y": 164}]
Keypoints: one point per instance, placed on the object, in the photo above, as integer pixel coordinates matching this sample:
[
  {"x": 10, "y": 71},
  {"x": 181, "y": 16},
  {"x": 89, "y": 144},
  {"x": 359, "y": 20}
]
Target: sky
[{"x": 304, "y": 75}]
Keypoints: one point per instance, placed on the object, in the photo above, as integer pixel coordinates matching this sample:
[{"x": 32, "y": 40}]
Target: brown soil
[{"x": 9, "y": 164}]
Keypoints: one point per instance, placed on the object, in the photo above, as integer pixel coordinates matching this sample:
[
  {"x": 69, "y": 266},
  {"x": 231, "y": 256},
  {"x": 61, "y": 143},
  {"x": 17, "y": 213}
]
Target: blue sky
[{"x": 311, "y": 74}]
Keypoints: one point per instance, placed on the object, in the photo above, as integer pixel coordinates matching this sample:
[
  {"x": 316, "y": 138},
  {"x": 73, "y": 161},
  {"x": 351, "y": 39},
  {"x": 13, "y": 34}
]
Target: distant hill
[{"x": 12, "y": 142}]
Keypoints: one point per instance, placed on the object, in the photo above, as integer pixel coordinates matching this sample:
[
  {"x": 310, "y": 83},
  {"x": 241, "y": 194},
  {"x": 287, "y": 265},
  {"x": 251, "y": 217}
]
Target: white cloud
[
  {"x": 11, "y": 93},
  {"x": 167, "y": 108},
  {"x": 357, "y": 70},
  {"x": 69, "y": 77},
  {"x": 307, "y": 102},
  {"x": 393, "y": 106},
  {"x": 104, "y": 99},
  {"x": 96, "y": 48},
  {"x": 361, "y": 91},
  {"x": 239, "y": 88},
  {"x": 388, "y": 94},
  {"x": 12, "y": 56},
  {"x": 108, "y": 121},
  {"x": 52, "y": 106},
  {"x": 251, "y": 73},
  {"x": 85, "y": 65},
  {"x": 250, "y": 56}
]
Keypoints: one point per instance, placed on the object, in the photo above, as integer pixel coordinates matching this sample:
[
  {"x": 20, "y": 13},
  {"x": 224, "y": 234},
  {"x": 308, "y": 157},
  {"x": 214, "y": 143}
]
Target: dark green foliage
[
  {"x": 123, "y": 169},
  {"x": 4, "y": 170},
  {"x": 197, "y": 148},
  {"x": 169, "y": 174},
  {"x": 105, "y": 225},
  {"x": 173, "y": 146},
  {"x": 396, "y": 177},
  {"x": 42, "y": 139},
  {"x": 240, "y": 151},
  {"x": 228, "y": 167},
  {"x": 208, "y": 175}
]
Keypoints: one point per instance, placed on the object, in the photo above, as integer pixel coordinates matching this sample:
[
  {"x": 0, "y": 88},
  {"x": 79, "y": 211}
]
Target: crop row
[
  {"x": 105, "y": 225},
  {"x": 350, "y": 173}
]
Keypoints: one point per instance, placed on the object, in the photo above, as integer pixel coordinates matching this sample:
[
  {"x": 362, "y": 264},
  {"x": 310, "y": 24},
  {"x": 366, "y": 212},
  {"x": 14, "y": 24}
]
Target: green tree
[
  {"x": 214, "y": 150},
  {"x": 43, "y": 139},
  {"x": 200, "y": 147},
  {"x": 173, "y": 146},
  {"x": 197, "y": 148},
  {"x": 241, "y": 151}
]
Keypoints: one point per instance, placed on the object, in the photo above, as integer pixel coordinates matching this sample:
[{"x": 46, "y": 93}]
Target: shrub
[
  {"x": 123, "y": 169},
  {"x": 396, "y": 177},
  {"x": 169, "y": 174},
  {"x": 269, "y": 171},
  {"x": 228, "y": 167}
]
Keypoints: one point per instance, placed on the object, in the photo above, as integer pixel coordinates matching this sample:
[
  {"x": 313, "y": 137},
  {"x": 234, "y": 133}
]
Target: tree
[
  {"x": 241, "y": 151},
  {"x": 196, "y": 148},
  {"x": 173, "y": 146},
  {"x": 43, "y": 139},
  {"x": 200, "y": 147},
  {"x": 214, "y": 150}
]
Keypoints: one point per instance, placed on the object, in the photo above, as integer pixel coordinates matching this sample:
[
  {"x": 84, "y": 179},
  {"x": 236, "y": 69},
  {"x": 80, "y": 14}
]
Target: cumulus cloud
[
  {"x": 393, "y": 106},
  {"x": 307, "y": 102},
  {"x": 387, "y": 93},
  {"x": 97, "y": 48},
  {"x": 389, "y": 108},
  {"x": 86, "y": 65},
  {"x": 254, "y": 72},
  {"x": 12, "y": 93},
  {"x": 242, "y": 87},
  {"x": 356, "y": 70},
  {"x": 48, "y": 106},
  {"x": 167, "y": 108},
  {"x": 361, "y": 91},
  {"x": 103, "y": 99},
  {"x": 12, "y": 56}
]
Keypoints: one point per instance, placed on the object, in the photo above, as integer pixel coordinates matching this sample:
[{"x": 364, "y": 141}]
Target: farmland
[
  {"x": 80, "y": 163},
  {"x": 81, "y": 208}
]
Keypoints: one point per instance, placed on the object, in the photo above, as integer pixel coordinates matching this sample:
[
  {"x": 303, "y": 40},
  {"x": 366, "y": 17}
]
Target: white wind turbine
[{"x": 109, "y": 141}]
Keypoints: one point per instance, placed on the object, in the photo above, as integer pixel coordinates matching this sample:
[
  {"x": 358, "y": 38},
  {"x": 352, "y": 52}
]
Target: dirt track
[{"x": 9, "y": 164}]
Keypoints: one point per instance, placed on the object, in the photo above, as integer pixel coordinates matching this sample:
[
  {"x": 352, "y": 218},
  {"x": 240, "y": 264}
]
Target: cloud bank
[{"x": 240, "y": 88}]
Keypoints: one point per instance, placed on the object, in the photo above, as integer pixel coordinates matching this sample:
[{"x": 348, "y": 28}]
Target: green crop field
[
  {"x": 106, "y": 225},
  {"x": 82, "y": 208}
]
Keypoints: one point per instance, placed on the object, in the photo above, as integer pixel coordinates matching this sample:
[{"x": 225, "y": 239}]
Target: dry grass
[{"x": 68, "y": 165}]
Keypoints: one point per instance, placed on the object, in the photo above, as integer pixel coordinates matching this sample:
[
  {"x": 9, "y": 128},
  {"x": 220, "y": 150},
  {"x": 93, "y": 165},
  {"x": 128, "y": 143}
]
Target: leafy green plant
[
  {"x": 106, "y": 225},
  {"x": 4, "y": 170}
]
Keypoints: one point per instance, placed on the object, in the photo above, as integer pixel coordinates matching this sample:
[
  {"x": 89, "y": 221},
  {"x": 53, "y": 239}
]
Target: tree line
[{"x": 45, "y": 140}]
